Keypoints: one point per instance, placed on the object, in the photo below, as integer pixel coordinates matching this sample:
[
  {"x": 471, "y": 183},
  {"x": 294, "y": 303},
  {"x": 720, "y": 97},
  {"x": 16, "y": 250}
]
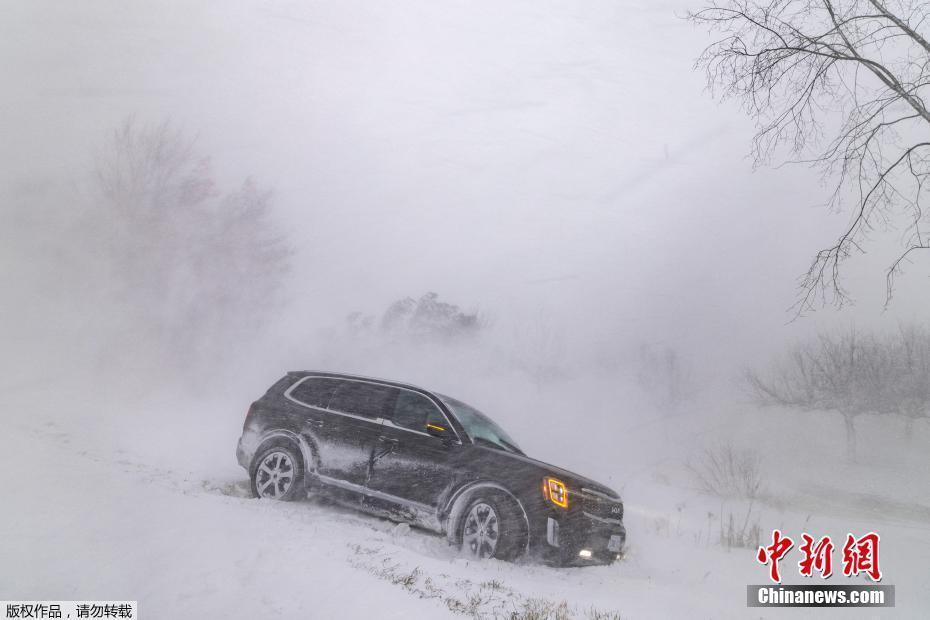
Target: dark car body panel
[
  {"x": 414, "y": 476},
  {"x": 417, "y": 467}
]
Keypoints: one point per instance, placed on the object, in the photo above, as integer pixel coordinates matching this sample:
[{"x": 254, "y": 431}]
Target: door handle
[
  {"x": 390, "y": 445},
  {"x": 316, "y": 423}
]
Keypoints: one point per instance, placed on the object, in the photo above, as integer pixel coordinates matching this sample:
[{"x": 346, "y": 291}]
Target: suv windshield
[{"x": 479, "y": 427}]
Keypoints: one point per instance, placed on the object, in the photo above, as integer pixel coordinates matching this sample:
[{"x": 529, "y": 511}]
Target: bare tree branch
[{"x": 799, "y": 66}]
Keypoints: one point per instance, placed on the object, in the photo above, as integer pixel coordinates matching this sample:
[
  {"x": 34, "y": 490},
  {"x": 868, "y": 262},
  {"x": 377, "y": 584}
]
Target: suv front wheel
[
  {"x": 491, "y": 528},
  {"x": 277, "y": 473}
]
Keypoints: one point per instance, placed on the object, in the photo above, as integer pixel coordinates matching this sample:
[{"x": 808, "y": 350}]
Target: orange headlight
[{"x": 554, "y": 490}]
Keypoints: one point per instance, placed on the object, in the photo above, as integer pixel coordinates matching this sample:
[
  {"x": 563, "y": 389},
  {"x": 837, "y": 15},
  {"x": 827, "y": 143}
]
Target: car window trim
[
  {"x": 380, "y": 420},
  {"x": 288, "y": 391},
  {"x": 389, "y": 422},
  {"x": 288, "y": 395}
]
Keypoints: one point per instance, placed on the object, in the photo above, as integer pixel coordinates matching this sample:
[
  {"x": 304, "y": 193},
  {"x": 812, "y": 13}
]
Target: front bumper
[
  {"x": 590, "y": 531},
  {"x": 579, "y": 540}
]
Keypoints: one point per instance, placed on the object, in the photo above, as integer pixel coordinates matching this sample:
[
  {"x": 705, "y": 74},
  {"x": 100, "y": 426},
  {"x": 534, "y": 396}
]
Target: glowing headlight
[
  {"x": 555, "y": 491},
  {"x": 585, "y": 553}
]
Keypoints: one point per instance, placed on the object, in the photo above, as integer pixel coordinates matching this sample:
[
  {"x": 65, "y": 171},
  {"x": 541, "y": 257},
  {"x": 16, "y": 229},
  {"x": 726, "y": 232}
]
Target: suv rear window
[
  {"x": 315, "y": 391},
  {"x": 363, "y": 399}
]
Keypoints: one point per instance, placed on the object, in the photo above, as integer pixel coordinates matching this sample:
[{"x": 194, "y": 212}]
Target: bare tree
[
  {"x": 911, "y": 391},
  {"x": 819, "y": 375},
  {"x": 839, "y": 84},
  {"x": 195, "y": 268},
  {"x": 853, "y": 374}
]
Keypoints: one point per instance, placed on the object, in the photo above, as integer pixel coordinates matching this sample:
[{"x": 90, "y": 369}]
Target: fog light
[{"x": 584, "y": 553}]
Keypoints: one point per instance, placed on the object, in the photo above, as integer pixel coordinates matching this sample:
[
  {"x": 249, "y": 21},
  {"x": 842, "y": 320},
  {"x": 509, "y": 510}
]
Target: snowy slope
[
  {"x": 532, "y": 158},
  {"x": 134, "y": 510}
]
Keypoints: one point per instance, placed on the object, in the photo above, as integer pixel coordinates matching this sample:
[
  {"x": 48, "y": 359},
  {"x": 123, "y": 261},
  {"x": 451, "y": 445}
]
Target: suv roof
[{"x": 343, "y": 375}]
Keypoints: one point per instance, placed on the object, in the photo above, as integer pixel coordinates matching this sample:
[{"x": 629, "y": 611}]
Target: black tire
[
  {"x": 510, "y": 540},
  {"x": 278, "y": 473}
]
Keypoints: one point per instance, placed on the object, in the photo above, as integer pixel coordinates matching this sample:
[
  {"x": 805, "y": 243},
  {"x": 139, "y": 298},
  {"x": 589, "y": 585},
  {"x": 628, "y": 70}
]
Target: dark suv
[{"x": 417, "y": 456}]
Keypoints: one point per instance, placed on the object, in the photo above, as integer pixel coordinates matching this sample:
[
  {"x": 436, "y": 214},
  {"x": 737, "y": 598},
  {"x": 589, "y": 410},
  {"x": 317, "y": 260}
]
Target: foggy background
[
  {"x": 519, "y": 159},
  {"x": 557, "y": 170}
]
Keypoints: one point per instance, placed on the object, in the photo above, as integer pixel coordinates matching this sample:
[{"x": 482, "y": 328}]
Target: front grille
[{"x": 600, "y": 506}]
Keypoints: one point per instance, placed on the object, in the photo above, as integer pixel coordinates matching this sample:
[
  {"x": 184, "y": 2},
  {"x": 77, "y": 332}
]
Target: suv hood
[{"x": 574, "y": 481}]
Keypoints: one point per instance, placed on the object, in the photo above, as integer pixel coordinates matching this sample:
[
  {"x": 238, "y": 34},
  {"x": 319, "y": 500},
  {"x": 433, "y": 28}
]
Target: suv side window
[
  {"x": 367, "y": 400},
  {"x": 315, "y": 391},
  {"x": 415, "y": 411}
]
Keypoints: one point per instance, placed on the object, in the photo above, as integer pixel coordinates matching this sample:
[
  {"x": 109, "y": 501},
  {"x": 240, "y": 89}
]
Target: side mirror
[{"x": 439, "y": 431}]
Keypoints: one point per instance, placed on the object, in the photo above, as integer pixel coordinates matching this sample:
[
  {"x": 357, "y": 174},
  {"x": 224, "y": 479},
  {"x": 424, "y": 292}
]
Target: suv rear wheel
[{"x": 277, "y": 473}]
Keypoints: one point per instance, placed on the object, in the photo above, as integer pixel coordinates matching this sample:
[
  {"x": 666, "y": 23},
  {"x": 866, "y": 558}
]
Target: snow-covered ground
[
  {"x": 145, "y": 502},
  {"x": 548, "y": 163}
]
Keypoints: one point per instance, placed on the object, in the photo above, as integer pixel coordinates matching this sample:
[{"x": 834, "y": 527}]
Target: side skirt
[{"x": 384, "y": 504}]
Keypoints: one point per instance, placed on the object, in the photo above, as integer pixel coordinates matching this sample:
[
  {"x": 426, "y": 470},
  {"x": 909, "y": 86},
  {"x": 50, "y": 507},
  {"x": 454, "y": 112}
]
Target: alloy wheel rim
[
  {"x": 481, "y": 532},
  {"x": 275, "y": 475}
]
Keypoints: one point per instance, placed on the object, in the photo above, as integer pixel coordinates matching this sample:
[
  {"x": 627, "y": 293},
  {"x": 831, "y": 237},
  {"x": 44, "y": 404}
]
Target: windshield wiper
[
  {"x": 500, "y": 444},
  {"x": 510, "y": 446}
]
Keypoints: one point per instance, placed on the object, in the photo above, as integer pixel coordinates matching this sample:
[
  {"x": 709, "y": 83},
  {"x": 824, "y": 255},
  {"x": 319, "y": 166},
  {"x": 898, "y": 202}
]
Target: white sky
[{"x": 512, "y": 156}]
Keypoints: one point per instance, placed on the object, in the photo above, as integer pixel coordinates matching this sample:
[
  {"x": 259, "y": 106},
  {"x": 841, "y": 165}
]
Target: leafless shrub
[
  {"x": 725, "y": 471},
  {"x": 730, "y": 528},
  {"x": 407, "y": 580},
  {"x": 542, "y": 609},
  {"x": 427, "y": 319},
  {"x": 743, "y": 532}
]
